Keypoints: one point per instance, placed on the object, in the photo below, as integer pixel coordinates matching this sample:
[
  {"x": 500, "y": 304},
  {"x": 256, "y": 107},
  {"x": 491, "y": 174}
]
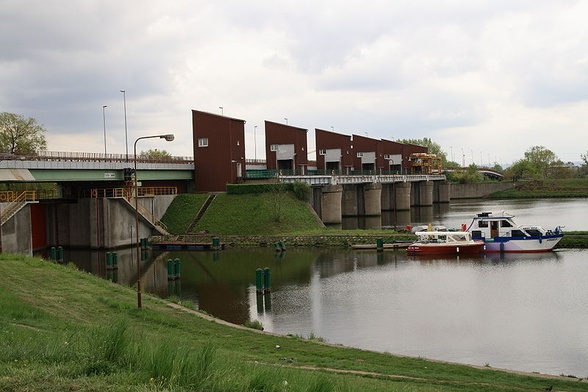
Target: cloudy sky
[{"x": 487, "y": 80}]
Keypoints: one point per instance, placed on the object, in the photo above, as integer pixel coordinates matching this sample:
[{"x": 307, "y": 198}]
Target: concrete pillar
[
  {"x": 331, "y": 204},
  {"x": 425, "y": 193},
  {"x": 388, "y": 197},
  {"x": 351, "y": 200},
  {"x": 372, "y": 196},
  {"x": 402, "y": 190},
  {"x": 441, "y": 192}
]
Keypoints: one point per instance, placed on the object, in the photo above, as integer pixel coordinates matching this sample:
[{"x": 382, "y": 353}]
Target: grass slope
[
  {"x": 257, "y": 214},
  {"x": 555, "y": 188},
  {"x": 182, "y": 211},
  {"x": 62, "y": 329}
]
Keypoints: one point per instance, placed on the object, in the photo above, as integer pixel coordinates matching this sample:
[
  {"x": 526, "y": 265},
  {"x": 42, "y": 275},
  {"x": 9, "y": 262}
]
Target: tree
[
  {"x": 541, "y": 159},
  {"x": 20, "y": 135},
  {"x": 156, "y": 155}
]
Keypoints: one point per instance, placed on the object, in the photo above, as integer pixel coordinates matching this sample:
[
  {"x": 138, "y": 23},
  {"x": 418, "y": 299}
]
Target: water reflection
[{"x": 523, "y": 312}]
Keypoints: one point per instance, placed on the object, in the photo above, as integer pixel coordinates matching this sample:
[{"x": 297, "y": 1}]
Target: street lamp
[
  {"x": 222, "y": 110},
  {"x": 125, "y": 110},
  {"x": 104, "y": 123},
  {"x": 168, "y": 137},
  {"x": 286, "y": 118}
]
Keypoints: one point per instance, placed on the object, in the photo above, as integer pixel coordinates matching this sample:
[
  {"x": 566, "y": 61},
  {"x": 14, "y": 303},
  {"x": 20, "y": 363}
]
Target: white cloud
[{"x": 489, "y": 78}]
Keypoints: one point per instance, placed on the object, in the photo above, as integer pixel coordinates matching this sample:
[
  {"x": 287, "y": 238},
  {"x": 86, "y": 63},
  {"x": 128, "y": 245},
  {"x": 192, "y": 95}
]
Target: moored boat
[
  {"x": 444, "y": 243},
  {"x": 501, "y": 234}
]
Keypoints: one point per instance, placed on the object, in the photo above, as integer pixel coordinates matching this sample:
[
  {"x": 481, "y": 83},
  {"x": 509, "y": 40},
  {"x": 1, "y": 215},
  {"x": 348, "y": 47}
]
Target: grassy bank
[
  {"x": 249, "y": 214},
  {"x": 556, "y": 188},
  {"x": 251, "y": 219},
  {"x": 62, "y": 329}
]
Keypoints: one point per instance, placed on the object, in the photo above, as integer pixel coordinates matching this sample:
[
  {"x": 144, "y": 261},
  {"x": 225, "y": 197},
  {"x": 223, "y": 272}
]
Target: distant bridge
[{"x": 489, "y": 173}]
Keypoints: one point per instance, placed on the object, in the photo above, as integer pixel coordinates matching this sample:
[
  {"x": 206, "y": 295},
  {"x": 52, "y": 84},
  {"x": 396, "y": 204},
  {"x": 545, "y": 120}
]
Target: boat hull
[
  {"x": 445, "y": 249},
  {"x": 522, "y": 245}
]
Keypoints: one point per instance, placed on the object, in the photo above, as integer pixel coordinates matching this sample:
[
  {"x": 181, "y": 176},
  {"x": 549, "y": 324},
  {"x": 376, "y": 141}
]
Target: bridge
[
  {"x": 67, "y": 167},
  {"x": 488, "y": 173}
]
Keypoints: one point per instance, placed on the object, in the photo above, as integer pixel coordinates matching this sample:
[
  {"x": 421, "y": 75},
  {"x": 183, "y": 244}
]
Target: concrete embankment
[{"x": 477, "y": 191}]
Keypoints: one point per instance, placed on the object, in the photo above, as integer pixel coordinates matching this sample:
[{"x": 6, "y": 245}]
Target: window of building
[{"x": 203, "y": 142}]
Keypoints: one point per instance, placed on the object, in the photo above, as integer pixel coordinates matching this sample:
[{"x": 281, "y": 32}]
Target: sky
[{"x": 486, "y": 80}]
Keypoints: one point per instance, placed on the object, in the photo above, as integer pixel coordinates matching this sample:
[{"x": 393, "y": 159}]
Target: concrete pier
[{"x": 330, "y": 204}]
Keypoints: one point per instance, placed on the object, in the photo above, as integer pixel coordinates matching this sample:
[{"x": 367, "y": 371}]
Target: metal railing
[
  {"x": 92, "y": 157},
  {"x": 16, "y": 200},
  {"x": 128, "y": 195}
]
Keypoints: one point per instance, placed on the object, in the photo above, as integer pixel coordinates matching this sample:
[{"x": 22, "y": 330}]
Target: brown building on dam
[{"x": 219, "y": 150}]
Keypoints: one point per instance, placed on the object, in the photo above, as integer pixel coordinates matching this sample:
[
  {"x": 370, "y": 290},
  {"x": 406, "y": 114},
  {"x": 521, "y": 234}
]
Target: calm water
[{"x": 523, "y": 312}]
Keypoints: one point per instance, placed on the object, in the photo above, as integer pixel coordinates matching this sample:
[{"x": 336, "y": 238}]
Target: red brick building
[
  {"x": 219, "y": 151},
  {"x": 367, "y": 154},
  {"x": 286, "y": 148},
  {"x": 334, "y": 151},
  {"x": 394, "y": 161}
]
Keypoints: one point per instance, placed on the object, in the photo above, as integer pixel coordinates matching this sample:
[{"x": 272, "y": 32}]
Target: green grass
[
  {"x": 182, "y": 211},
  {"x": 556, "y": 188},
  {"x": 255, "y": 214},
  {"x": 63, "y": 329}
]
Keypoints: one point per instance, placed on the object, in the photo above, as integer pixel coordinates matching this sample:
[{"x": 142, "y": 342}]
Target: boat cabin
[
  {"x": 486, "y": 225},
  {"x": 443, "y": 237}
]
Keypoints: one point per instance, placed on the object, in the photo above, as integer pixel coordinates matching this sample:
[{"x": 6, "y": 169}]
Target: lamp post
[
  {"x": 168, "y": 137},
  {"x": 222, "y": 110},
  {"x": 125, "y": 111},
  {"x": 104, "y": 124}
]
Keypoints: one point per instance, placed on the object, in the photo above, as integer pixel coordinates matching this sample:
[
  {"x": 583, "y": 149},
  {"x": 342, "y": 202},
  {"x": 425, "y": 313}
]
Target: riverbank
[
  {"x": 68, "y": 330},
  {"x": 337, "y": 238}
]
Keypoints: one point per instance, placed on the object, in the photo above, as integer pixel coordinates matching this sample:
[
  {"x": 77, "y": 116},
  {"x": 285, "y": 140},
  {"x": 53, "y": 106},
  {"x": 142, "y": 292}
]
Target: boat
[
  {"x": 388, "y": 246},
  {"x": 445, "y": 243},
  {"x": 501, "y": 234}
]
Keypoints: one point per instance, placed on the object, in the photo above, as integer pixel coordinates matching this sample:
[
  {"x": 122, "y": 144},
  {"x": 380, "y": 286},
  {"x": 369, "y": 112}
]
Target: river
[{"x": 520, "y": 312}]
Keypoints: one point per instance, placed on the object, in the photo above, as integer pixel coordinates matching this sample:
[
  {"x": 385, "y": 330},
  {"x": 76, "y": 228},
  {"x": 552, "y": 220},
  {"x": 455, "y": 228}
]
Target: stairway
[{"x": 200, "y": 213}]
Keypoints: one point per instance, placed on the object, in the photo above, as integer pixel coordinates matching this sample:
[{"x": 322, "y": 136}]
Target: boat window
[
  {"x": 534, "y": 232},
  {"x": 517, "y": 233},
  {"x": 482, "y": 223},
  {"x": 505, "y": 223}
]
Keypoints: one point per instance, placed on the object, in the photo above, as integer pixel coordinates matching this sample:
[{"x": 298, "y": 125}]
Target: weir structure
[{"x": 334, "y": 197}]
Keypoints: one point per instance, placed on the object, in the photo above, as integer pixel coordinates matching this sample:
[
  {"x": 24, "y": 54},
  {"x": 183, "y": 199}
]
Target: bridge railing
[{"x": 93, "y": 157}]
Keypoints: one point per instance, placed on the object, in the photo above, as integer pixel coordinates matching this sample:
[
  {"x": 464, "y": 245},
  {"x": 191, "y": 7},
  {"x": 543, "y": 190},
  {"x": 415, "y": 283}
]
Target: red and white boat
[{"x": 445, "y": 243}]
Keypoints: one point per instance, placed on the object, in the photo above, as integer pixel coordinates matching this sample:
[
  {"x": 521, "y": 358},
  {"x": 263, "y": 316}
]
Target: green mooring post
[
  {"x": 60, "y": 254},
  {"x": 259, "y": 280},
  {"x": 177, "y": 268},
  {"x": 267, "y": 285},
  {"x": 114, "y": 260},
  {"x": 380, "y": 244},
  {"x": 215, "y": 243},
  {"x": 53, "y": 254},
  {"x": 108, "y": 260},
  {"x": 170, "y": 269}
]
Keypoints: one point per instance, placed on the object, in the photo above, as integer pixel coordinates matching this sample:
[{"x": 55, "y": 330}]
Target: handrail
[
  {"x": 127, "y": 194},
  {"x": 15, "y": 202}
]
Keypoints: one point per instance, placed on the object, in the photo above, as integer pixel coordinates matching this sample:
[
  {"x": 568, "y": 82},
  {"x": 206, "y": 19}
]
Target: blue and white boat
[{"x": 501, "y": 234}]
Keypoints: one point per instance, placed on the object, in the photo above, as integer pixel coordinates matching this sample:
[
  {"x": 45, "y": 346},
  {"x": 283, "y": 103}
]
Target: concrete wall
[
  {"x": 16, "y": 232},
  {"x": 101, "y": 223},
  {"x": 476, "y": 191}
]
